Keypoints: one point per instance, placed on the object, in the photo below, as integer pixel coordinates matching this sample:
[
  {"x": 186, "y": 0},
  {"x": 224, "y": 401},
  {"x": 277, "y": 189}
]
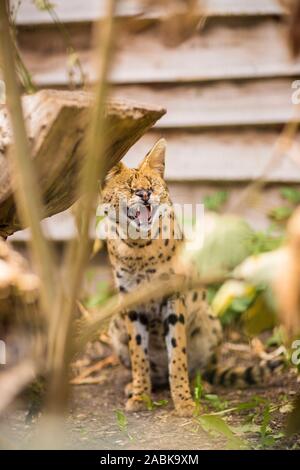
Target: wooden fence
[{"x": 227, "y": 88}]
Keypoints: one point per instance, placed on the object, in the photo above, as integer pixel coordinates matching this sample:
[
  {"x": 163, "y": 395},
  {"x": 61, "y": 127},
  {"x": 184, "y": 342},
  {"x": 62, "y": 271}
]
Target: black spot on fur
[
  {"x": 143, "y": 319},
  {"x": 166, "y": 242},
  {"x": 222, "y": 379},
  {"x": 275, "y": 363},
  {"x": 181, "y": 318},
  {"x": 174, "y": 342},
  {"x": 183, "y": 350},
  {"x": 151, "y": 270},
  {"x": 172, "y": 319},
  {"x": 133, "y": 316},
  {"x": 248, "y": 376},
  {"x": 122, "y": 289},
  {"x": 138, "y": 339},
  {"x": 195, "y": 296},
  {"x": 195, "y": 332}
]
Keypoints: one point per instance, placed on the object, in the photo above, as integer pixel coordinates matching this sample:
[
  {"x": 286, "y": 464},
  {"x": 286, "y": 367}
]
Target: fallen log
[{"x": 57, "y": 124}]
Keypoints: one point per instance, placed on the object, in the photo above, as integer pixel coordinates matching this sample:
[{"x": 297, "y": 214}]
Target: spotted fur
[
  {"x": 171, "y": 338},
  {"x": 166, "y": 339}
]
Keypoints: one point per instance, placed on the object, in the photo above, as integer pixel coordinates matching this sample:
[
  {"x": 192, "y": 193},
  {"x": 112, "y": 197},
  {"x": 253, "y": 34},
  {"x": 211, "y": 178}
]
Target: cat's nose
[{"x": 144, "y": 194}]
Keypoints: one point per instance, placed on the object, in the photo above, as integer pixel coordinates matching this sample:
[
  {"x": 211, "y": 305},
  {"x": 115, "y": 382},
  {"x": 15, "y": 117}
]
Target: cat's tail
[{"x": 244, "y": 375}]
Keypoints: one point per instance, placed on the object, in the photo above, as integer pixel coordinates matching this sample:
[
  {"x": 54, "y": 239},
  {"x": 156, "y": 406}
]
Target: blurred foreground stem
[
  {"x": 26, "y": 188},
  {"x": 61, "y": 331},
  {"x": 155, "y": 290}
]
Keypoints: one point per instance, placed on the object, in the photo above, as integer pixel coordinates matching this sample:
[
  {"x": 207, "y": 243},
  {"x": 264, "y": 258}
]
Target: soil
[{"x": 92, "y": 419}]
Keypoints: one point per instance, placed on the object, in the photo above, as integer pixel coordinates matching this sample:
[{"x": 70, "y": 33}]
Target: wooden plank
[
  {"x": 223, "y": 155},
  {"x": 57, "y": 228},
  {"x": 258, "y": 102},
  {"x": 58, "y": 150},
  {"x": 221, "y": 51},
  {"x": 91, "y": 10}
]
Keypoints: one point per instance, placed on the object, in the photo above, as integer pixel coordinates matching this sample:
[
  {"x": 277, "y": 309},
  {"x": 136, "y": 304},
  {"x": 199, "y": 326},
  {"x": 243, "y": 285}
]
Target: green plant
[
  {"x": 198, "y": 392},
  {"x": 216, "y": 402},
  {"x": 281, "y": 213},
  {"x": 123, "y": 423},
  {"x": 263, "y": 242},
  {"x": 291, "y": 194},
  {"x": 73, "y": 62},
  {"x": 215, "y": 202},
  {"x": 101, "y": 294},
  {"x": 217, "y": 426},
  {"x": 152, "y": 405}
]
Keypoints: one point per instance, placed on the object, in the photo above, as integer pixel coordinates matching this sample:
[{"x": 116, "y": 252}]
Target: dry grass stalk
[
  {"x": 27, "y": 191},
  {"x": 282, "y": 147},
  {"x": 287, "y": 285},
  {"x": 83, "y": 377},
  {"x": 89, "y": 331},
  {"x": 61, "y": 328}
]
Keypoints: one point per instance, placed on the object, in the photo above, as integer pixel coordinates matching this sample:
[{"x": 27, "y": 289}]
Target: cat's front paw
[
  {"x": 136, "y": 403},
  {"x": 186, "y": 408}
]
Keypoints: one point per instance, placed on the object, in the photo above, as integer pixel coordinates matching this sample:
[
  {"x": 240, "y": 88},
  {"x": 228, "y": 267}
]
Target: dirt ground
[
  {"x": 96, "y": 419},
  {"x": 92, "y": 421}
]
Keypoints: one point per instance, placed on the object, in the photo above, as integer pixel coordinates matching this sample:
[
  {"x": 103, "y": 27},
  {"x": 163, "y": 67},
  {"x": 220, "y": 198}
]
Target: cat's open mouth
[{"x": 141, "y": 214}]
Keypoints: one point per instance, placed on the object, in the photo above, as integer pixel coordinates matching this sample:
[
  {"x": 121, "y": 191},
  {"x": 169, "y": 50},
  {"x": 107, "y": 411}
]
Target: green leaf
[
  {"x": 121, "y": 420},
  {"x": 259, "y": 317},
  {"x": 240, "y": 305},
  {"x": 290, "y": 194},
  {"x": 266, "y": 438},
  {"x": 101, "y": 295},
  {"x": 216, "y": 255},
  {"x": 263, "y": 242},
  {"x": 211, "y": 292},
  {"x": 253, "y": 403},
  {"x": 215, "y": 201},
  {"x": 277, "y": 338},
  {"x": 123, "y": 423},
  {"x": 216, "y": 402},
  {"x": 280, "y": 214},
  {"x": 149, "y": 403},
  {"x": 216, "y": 425},
  {"x": 160, "y": 403},
  {"x": 198, "y": 390}
]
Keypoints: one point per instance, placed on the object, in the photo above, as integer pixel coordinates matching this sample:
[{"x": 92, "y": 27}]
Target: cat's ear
[
  {"x": 155, "y": 159},
  {"x": 114, "y": 171}
]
